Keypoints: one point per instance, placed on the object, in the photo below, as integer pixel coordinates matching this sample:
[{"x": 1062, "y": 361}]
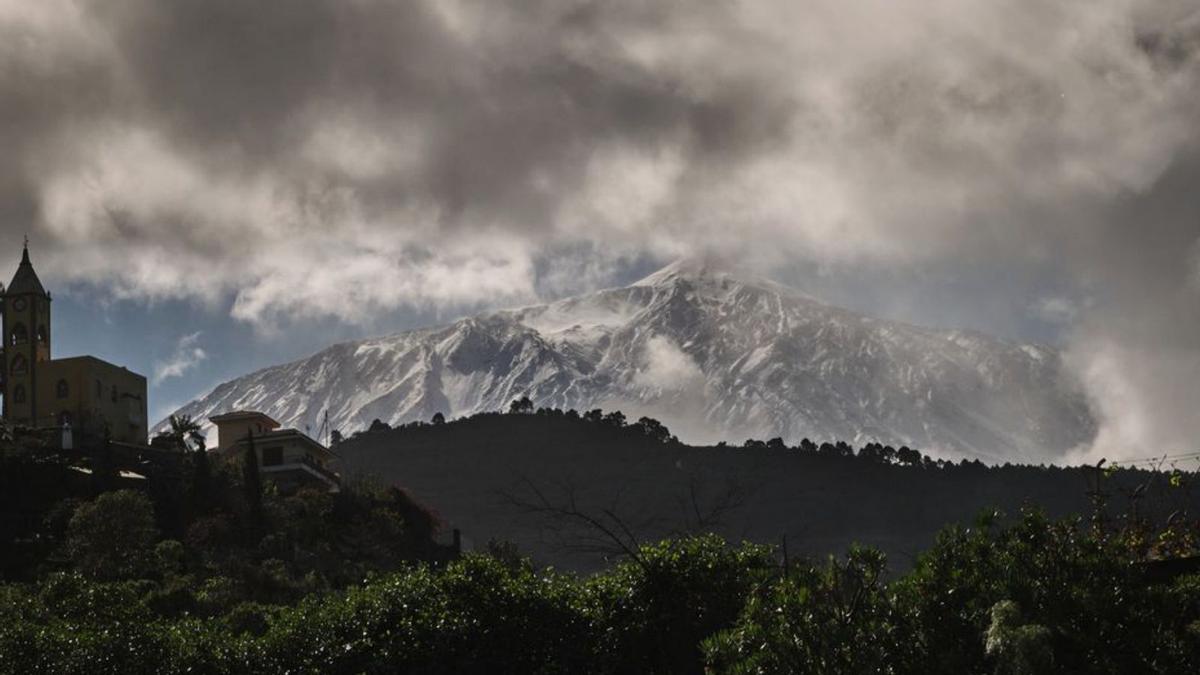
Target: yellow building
[
  {"x": 287, "y": 456},
  {"x": 93, "y": 398}
]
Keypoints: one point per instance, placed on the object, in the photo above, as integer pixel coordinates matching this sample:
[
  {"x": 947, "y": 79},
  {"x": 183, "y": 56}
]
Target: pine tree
[{"x": 252, "y": 483}]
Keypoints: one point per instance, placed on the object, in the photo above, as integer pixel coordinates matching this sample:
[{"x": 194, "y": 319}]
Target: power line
[
  {"x": 1158, "y": 460},
  {"x": 1157, "y": 457}
]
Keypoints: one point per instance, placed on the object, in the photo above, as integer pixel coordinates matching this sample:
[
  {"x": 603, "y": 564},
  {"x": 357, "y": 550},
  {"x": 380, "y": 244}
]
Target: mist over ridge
[{"x": 711, "y": 355}]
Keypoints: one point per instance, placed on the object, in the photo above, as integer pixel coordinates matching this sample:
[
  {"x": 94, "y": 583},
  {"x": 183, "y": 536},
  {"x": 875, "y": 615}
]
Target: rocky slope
[{"x": 714, "y": 355}]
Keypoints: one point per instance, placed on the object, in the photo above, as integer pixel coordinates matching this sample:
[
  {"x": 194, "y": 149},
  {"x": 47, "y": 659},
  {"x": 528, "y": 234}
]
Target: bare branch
[{"x": 609, "y": 532}]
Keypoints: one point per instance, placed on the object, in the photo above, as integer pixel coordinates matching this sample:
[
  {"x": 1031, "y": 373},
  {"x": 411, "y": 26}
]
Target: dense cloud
[{"x": 294, "y": 155}]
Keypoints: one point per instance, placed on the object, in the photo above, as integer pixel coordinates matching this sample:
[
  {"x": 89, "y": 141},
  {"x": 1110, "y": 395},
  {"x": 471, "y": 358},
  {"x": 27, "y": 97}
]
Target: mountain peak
[
  {"x": 719, "y": 274},
  {"x": 713, "y": 353},
  {"x": 696, "y": 268}
]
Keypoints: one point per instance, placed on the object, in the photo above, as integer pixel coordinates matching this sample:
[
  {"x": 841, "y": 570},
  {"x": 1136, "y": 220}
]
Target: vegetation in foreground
[
  {"x": 217, "y": 577},
  {"x": 1033, "y": 597}
]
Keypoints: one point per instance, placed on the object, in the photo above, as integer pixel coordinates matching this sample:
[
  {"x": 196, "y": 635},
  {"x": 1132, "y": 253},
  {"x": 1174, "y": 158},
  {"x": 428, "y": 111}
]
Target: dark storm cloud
[
  {"x": 342, "y": 158},
  {"x": 505, "y": 103}
]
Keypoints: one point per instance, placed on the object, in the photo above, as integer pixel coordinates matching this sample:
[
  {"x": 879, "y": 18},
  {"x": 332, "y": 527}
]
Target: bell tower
[{"x": 26, "y": 324}]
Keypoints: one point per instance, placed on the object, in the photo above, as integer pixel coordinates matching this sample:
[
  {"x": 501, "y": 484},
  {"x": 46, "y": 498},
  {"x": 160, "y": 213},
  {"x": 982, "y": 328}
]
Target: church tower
[{"x": 26, "y": 310}]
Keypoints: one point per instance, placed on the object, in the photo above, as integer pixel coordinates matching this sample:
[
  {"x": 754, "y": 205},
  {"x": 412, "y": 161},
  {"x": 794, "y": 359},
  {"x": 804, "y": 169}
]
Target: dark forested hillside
[{"x": 572, "y": 490}]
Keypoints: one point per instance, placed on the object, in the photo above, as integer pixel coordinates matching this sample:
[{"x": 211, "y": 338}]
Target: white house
[{"x": 287, "y": 456}]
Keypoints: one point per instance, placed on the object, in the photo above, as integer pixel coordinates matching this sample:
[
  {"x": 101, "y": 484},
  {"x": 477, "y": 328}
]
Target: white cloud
[
  {"x": 878, "y": 132},
  {"x": 338, "y": 160},
  {"x": 1145, "y": 399},
  {"x": 187, "y": 355},
  {"x": 1056, "y": 309},
  {"x": 667, "y": 368}
]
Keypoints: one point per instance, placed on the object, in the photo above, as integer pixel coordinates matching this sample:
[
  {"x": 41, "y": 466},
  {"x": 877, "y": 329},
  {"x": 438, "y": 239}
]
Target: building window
[
  {"x": 272, "y": 456},
  {"x": 99, "y": 390},
  {"x": 62, "y": 390},
  {"x": 19, "y": 335},
  {"x": 41, "y": 334},
  {"x": 114, "y": 393},
  {"x": 20, "y": 365},
  {"x": 19, "y": 393}
]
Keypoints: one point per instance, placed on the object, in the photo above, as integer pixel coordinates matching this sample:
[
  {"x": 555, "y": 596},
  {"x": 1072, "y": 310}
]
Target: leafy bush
[
  {"x": 651, "y": 614},
  {"x": 113, "y": 537},
  {"x": 835, "y": 618},
  {"x": 476, "y": 616},
  {"x": 1037, "y": 596}
]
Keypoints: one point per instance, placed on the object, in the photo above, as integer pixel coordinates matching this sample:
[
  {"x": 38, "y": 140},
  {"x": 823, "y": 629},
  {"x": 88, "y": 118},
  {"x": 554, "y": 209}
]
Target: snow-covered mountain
[{"x": 713, "y": 355}]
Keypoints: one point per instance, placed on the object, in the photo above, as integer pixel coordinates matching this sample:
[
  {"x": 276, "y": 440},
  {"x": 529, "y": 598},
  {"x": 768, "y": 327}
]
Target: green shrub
[
  {"x": 831, "y": 619},
  {"x": 113, "y": 536},
  {"x": 476, "y": 616},
  {"x": 1034, "y": 596},
  {"x": 652, "y": 614}
]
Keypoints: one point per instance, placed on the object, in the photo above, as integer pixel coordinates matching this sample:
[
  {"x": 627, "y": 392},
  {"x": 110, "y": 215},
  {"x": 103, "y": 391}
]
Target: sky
[{"x": 214, "y": 186}]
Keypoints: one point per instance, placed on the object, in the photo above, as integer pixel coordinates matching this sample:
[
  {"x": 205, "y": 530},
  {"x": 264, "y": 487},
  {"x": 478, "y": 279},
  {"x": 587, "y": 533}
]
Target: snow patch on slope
[{"x": 712, "y": 354}]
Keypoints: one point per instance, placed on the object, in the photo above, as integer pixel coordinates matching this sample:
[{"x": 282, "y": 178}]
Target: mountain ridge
[{"x": 714, "y": 355}]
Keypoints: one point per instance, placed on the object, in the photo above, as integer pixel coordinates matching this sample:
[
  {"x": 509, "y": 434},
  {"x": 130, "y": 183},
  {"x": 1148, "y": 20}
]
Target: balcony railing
[{"x": 309, "y": 464}]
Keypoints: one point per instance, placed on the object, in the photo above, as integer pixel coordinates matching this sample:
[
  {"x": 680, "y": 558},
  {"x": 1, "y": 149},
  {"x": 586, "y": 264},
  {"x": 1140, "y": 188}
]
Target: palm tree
[{"x": 184, "y": 433}]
